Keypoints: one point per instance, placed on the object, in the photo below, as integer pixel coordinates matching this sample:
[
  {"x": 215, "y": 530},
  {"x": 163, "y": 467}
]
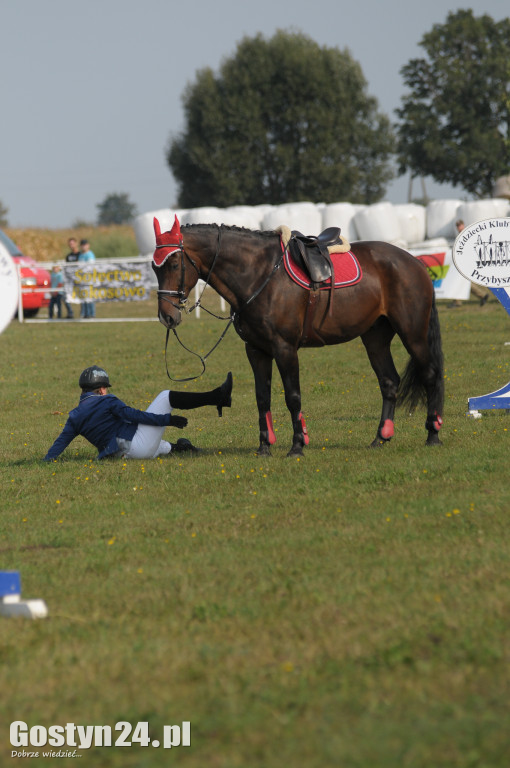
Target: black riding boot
[{"x": 221, "y": 397}]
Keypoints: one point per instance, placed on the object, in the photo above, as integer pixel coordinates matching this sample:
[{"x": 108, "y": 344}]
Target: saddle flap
[{"x": 312, "y": 256}]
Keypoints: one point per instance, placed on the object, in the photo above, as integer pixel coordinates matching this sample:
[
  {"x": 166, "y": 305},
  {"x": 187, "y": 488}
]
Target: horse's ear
[
  {"x": 157, "y": 229},
  {"x": 175, "y": 232},
  {"x": 176, "y": 229}
]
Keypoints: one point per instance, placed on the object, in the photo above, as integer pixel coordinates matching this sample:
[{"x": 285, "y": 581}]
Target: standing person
[
  {"x": 475, "y": 288},
  {"x": 72, "y": 256},
  {"x": 86, "y": 254},
  {"x": 57, "y": 289},
  {"x": 118, "y": 431},
  {"x": 74, "y": 253}
]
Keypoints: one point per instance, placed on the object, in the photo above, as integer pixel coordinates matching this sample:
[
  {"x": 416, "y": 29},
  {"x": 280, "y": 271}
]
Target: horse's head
[{"x": 177, "y": 274}]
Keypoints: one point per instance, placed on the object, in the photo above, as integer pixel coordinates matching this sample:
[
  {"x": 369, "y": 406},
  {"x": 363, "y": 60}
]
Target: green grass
[{"x": 348, "y": 609}]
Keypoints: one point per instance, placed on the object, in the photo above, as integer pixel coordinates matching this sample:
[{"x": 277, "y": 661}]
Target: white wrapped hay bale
[
  {"x": 341, "y": 215},
  {"x": 276, "y": 215},
  {"x": 237, "y": 215},
  {"x": 379, "y": 222},
  {"x": 242, "y": 216},
  {"x": 441, "y": 218},
  {"x": 261, "y": 210},
  {"x": 305, "y": 217},
  {"x": 477, "y": 210},
  {"x": 412, "y": 222},
  {"x": 143, "y": 226},
  {"x": 204, "y": 215}
]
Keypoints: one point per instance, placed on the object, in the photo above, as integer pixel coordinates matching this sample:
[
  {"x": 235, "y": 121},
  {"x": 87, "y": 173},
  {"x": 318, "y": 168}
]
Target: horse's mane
[{"x": 231, "y": 228}]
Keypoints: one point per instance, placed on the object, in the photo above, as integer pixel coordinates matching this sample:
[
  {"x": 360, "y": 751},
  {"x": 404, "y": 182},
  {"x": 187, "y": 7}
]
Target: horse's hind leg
[
  {"x": 377, "y": 341},
  {"x": 424, "y": 375},
  {"x": 430, "y": 372},
  {"x": 262, "y": 366}
]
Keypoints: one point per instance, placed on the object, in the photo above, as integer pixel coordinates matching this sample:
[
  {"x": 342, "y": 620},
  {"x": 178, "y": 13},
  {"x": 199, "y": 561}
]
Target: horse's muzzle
[{"x": 170, "y": 320}]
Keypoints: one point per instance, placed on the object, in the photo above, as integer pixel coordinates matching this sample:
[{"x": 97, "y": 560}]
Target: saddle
[{"x": 312, "y": 253}]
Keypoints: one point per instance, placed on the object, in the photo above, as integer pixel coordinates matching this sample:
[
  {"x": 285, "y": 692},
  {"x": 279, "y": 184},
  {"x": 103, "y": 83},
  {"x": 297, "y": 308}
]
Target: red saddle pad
[{"x": 347, "y": 271}]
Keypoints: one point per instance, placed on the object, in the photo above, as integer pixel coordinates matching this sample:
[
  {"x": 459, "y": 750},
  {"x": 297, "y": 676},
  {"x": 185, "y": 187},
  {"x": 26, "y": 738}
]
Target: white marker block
[{"x": 30, "y": 609}]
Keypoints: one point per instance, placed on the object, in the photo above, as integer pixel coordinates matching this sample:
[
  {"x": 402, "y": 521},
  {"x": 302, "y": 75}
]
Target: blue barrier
[
  {"x": 501, "y": 397},
  {"x": 11, "y": 603},
  {"x": 10, "y": 583}
]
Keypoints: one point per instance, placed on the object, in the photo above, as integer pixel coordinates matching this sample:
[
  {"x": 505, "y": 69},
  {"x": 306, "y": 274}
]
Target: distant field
[
  {"x": 51, "y": 244},
  {"x": 347, "y": 609}
]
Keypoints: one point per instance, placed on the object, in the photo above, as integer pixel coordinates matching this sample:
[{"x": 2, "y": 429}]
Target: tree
[
  {"x": 116, "y": 209},
  {"x": 3, "y": 215},
  {"x": 456, "y": 118},
  {"x": 284, "y": 120}
]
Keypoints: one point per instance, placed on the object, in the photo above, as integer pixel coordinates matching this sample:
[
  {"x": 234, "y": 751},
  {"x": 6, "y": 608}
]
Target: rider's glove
[{"x": 178, "y": 421}]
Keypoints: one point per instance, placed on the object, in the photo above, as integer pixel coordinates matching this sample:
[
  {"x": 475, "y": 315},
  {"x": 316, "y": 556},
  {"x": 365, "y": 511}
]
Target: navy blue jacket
[{"x": 101, "y": 419}]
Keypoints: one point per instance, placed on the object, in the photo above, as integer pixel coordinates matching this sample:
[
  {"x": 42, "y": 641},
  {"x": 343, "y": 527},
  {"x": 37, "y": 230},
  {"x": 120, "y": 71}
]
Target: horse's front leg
[
  {"x": 288, "y": 366},
  {"x": 262, "y": 366}
]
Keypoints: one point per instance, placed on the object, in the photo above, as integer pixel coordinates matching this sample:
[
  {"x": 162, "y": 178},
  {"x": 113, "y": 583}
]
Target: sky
[{"x": 91, "y": 91}]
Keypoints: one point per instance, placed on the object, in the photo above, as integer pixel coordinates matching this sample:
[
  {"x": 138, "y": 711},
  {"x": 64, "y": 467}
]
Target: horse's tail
[{"x": 412, "y": 390}]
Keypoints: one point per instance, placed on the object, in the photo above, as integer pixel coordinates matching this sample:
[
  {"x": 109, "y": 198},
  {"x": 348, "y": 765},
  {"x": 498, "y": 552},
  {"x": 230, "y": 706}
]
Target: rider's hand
[{"x": 178, "y": 421}]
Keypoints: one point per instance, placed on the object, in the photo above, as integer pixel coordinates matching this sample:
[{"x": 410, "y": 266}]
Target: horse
[{"x": 275, "y": 318}]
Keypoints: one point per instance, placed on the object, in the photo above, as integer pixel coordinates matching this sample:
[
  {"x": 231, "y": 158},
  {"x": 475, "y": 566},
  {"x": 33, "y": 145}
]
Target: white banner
[
  {"x": 9, "y": 288},
  {"x": 108, "y": 281},
  {"x": 448, "y": 282}
]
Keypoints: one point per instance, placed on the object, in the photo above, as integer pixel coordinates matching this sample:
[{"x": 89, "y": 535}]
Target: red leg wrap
[
  {"x": 270, "y": 431},
  {"x": 306, "y": 439},
  {"x": 435, "y": 423},
  {"x": 387, "y": 430}
]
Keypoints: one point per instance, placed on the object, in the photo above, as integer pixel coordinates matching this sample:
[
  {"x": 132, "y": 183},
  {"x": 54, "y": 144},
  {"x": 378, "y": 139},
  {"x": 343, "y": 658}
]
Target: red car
[{"x": 35, "y": 281}]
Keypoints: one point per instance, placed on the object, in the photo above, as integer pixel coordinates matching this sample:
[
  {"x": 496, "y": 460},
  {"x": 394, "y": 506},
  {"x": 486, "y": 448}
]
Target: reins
[
  {"x": 182, "y": 306},
  {"x": 202, "y": 359}
]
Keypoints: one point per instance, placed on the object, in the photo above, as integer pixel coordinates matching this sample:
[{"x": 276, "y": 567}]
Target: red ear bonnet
[{"x": 166, "y": 242}]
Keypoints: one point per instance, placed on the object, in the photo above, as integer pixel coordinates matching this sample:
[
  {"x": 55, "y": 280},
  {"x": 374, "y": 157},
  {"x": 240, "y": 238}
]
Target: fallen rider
[{"x": 118, "y": 431}]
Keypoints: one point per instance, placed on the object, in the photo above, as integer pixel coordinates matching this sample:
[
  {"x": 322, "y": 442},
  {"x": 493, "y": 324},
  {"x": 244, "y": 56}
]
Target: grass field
[{"x": 347, "y": 609}]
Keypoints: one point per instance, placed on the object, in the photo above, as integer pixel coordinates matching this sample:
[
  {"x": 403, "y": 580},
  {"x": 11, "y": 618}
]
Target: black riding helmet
[{"x": 93, "y": 378}]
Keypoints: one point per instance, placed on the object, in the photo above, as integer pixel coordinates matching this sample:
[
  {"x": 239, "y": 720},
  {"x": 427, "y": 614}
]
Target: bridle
[
  {"x": 182, "y": 304},
  {"x": 180, "y": 293}
]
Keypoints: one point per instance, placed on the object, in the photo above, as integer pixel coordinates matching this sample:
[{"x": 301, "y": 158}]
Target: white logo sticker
[{"x": 482, "y": 253}]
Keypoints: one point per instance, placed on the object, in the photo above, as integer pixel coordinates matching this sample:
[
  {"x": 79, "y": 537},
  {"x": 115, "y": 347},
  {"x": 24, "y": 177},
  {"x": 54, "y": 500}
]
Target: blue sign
[{"x": 10, "y": 583}]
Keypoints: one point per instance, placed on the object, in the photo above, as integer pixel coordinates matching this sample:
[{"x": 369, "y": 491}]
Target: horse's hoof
[
  {"x": 263, "y": 451},
  {"x": 295, "y": 452},
  {"x": 433, "y": 440},
  {"x": 378, "y": 443}
]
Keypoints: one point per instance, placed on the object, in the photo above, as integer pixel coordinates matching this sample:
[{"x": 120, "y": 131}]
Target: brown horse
[{"x": 275, "y": 317}]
